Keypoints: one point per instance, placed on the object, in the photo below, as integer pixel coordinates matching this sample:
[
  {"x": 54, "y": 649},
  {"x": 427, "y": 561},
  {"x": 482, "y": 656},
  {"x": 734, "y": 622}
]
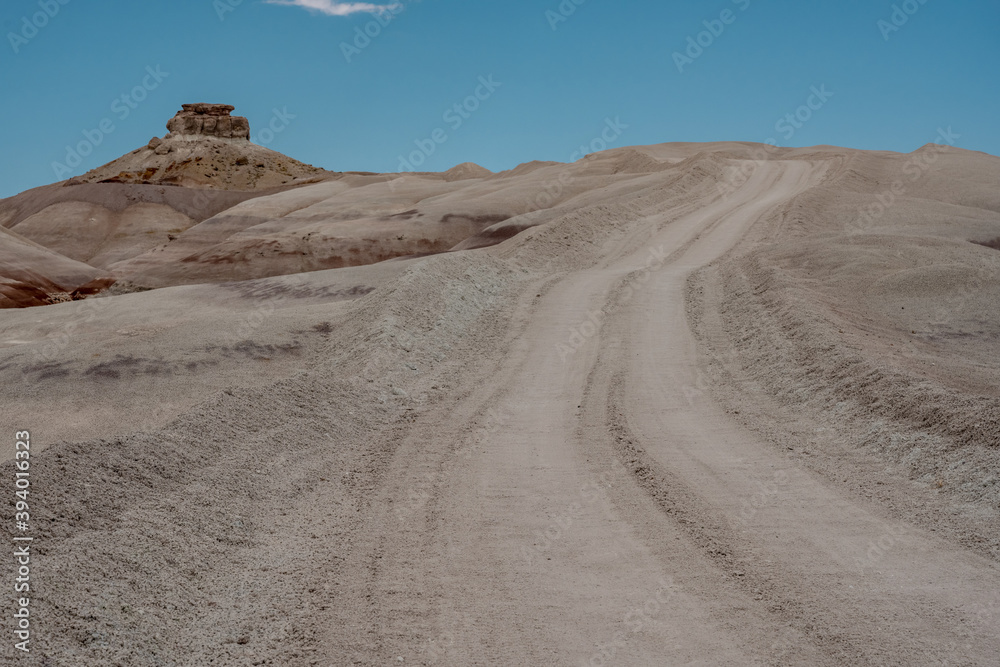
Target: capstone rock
[{"x": 208, "y": 120}]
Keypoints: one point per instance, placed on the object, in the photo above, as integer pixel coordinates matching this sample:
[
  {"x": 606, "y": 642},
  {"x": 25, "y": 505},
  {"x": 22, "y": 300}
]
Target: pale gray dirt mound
[
  {"x": 356, "y": 219},
  {"x": 878, "y": 327},
  {"x": 96, "y": 224},
  {"x": 122, "y": 575},
  {"x": 97, "y": 236},
  {"x": 76, "y": 368},
  {"x": 32, "y": 275},
  {"x": 197, "y": 204},
  {"x": 699, "y": 411},
  {"x": 465, "y": 171}
]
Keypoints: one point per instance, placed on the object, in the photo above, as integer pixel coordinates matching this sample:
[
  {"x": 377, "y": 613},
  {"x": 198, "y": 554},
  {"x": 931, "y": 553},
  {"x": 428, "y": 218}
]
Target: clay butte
[{"x": 206, "y": 147}]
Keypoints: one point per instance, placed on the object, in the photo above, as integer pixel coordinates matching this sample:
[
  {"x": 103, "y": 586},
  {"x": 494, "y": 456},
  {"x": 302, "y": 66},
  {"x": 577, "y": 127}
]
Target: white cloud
[{"x": 331, "y": 8}]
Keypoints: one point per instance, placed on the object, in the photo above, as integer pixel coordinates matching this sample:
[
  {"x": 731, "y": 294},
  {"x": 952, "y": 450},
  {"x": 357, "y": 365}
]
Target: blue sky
[{"x": 559, "y": 74}]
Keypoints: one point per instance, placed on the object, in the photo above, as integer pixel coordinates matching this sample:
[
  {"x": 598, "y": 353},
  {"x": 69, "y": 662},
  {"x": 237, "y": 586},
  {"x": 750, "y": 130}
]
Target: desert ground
[{"x": 681, "y": 404}]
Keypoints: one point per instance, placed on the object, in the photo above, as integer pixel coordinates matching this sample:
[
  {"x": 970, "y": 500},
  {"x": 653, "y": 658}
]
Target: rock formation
[
  {"x": 211, "y": 120},
  {"x": 205, "y": 148}
]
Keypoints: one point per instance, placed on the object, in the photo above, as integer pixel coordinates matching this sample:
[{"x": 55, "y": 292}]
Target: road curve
[{"x": 604, "y": 509}]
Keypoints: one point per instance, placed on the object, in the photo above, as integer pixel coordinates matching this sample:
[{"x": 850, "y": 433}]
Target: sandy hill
[
  {"x": 101, "y": 223},
  {"x": 218, "y": 221},
  {"x": 716, "y": 404},
  {"x": 32, "y": 275}
]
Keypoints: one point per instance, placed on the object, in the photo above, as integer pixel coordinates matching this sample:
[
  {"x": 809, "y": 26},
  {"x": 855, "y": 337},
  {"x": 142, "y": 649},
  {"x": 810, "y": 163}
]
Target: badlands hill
[
  {"x": 675, "y": 404},
  {"x": 205, "y": 147},
  {"x": 204, "y": 204},
  {"x": 168, "y": 213},
  {"x": 204, "y": 165}
]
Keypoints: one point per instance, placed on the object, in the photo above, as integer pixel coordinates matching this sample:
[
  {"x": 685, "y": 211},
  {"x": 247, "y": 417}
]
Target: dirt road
[
  {"x": 546, "y": 479},
  {"x": 617, "y": 515}
]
